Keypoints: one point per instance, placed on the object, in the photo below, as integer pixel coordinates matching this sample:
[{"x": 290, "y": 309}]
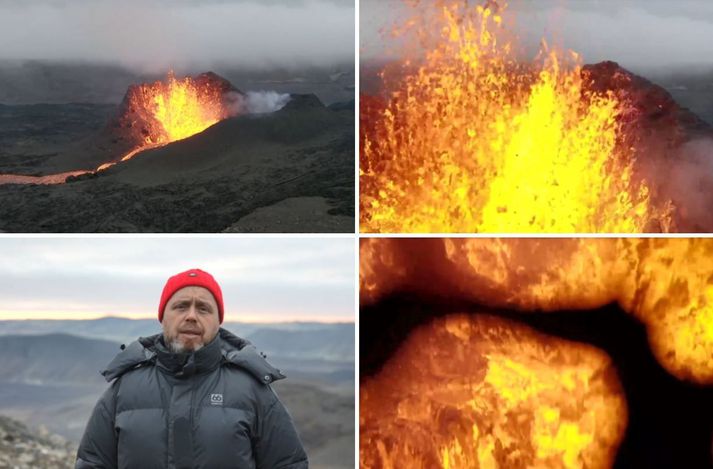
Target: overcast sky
[
  {"x": 156, "y": 34},
  {"x": 263, "y": 279},
  {"x": 639, "y": 34}
]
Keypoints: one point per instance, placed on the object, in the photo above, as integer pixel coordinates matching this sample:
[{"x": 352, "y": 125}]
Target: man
[{"x": 195, "y": 396}]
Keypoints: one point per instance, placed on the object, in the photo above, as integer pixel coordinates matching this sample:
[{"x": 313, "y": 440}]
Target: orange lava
[
  {"x": 484, "y": 392},
  {"x": 469, "y": 140},
  {"x": 174, "y": 109},
  {"x": 49, "y": 179},
  {"x": 667, "y": 283}
]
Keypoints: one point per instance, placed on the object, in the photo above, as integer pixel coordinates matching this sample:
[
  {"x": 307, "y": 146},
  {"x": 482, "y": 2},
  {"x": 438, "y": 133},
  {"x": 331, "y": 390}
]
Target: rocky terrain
[{"x": 22, "y": 448}]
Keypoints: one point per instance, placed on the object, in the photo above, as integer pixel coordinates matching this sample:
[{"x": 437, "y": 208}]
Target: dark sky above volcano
[
  {"x": 155, "y": 34},
  {"x": 639, "y": 34}
]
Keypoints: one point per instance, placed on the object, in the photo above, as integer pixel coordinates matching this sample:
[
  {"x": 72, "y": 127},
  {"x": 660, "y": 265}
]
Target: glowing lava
[
  {"x": 469, "y": 140},
  {"x": 162, "y": 112},
  {"x": 484, "y": 392},
  {"x": 667, "y": 283}
]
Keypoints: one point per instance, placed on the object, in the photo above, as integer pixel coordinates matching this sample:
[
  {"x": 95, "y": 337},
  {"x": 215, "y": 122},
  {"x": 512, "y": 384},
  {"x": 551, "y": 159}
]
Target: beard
[{"x": 176, "y": 346}]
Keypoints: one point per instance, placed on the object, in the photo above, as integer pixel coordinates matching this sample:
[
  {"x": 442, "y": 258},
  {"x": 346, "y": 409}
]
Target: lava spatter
[{"x": 468, "y": 139}]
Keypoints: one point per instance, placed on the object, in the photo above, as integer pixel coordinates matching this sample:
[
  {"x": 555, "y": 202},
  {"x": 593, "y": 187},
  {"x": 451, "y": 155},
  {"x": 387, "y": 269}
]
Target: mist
[
  {"x": 154, "y": 35},
  {"x": 256, "y": 102},
  {"x": 640, "y": 35}
]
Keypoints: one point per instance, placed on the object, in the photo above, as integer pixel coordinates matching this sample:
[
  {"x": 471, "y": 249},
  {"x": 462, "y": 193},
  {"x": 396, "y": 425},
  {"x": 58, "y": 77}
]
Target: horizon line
[{"x": 134, "y": 317}]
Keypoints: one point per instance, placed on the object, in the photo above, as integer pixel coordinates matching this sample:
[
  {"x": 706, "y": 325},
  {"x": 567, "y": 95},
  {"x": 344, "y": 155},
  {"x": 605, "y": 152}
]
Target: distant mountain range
[{"x": 295, "y": 340}]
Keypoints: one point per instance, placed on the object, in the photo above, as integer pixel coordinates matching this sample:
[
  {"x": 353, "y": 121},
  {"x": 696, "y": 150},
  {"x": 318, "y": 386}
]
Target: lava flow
[
  {"x": 484, "y": 392},
  {"x": 468, "y": 139},
  {"x": 666, "y": 283}
]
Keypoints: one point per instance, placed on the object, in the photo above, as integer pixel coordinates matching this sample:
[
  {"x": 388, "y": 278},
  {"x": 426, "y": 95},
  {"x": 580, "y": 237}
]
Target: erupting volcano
[
  {"x": 154, "y": 114},
  {"x": 467, "y": 138}
]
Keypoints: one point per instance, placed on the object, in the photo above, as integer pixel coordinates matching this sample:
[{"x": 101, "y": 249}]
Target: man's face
[{"x": 190, "y": 319}]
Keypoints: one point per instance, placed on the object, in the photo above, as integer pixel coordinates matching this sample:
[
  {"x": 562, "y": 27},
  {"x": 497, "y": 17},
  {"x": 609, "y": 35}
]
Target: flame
[
  {"x": 667, "y": 283},
  {"x": 484, "y": 392},
  {"x": 174, "y": 109},
  {"x": 472, "y": 141},
  {"x": 182, "y": 108}
]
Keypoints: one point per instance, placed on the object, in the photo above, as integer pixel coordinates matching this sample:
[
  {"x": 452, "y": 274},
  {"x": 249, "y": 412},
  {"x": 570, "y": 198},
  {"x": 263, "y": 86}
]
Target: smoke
[
  {"x": 256, "y": 102},
  {"x": 686, "y": 177}
]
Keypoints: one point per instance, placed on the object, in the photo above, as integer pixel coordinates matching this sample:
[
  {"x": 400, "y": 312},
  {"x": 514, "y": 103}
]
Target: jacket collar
[
  {"x": 226, "y": 348},
  {"x": 185, "y": 365}
]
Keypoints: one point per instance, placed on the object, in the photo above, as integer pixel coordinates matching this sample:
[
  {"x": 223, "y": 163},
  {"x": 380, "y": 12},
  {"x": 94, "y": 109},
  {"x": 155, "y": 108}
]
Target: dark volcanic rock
[
  {"x": 652, "y": 107},
  {"x": 303, "y": 101}
]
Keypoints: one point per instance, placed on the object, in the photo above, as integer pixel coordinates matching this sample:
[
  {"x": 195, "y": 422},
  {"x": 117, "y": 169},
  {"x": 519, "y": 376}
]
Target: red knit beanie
[{"x": 191, "y": 278}]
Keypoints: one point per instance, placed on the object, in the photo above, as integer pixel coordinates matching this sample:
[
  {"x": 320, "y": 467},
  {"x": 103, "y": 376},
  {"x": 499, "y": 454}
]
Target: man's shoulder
[
  {"x": 243, "y": 385},
  {"x": 247, "y": 359}
]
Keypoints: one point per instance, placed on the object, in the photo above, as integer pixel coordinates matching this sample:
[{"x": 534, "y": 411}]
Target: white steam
[
  {"x": 687, "y": 178},
  {"x": 256, "y": 102}
]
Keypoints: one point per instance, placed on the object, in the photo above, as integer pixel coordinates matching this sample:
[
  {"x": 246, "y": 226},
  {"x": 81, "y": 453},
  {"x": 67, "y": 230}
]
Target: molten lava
[
  {"x": 485, "y": 392},
  {"x": 667, "y": 283},
  {"x": 154, "y": 114},
  {"x": 469, "y": 140}
]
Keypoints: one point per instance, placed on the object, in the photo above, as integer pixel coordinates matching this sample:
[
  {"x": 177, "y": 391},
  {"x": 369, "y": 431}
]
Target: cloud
[
  {"x": 154, "y": 35},
  {"x": 273, "y": 276}
]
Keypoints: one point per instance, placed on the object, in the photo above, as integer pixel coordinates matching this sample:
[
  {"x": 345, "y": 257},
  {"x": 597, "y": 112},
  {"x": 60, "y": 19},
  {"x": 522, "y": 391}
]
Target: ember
[{"x": 470, "y": 140}]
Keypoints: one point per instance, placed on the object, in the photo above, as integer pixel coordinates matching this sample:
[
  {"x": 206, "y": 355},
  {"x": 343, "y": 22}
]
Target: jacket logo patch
[{"x": 216, "y": 399}]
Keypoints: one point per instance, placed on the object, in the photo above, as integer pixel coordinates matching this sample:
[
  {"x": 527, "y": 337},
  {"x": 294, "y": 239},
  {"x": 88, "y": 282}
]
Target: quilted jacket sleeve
[
  {"x": 277, "y": 445},
  {"x": 98, "y": 446}
]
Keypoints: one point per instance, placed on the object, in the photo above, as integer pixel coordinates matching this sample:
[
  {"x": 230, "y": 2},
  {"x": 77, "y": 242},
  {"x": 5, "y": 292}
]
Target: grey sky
[
  {"x": 639, "y": 34},
  {"x": 156, "y": 34},
  {"x": 263, "y": 279}
]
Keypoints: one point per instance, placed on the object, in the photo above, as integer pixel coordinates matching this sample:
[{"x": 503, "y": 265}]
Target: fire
[
  {"x": 182, "y": 108},
  {"x": 667, "y": 283},
  {"x": 483, "y": 392},
  {"x": 469, "y": 140},
  {"x": 166, "y": 111}
]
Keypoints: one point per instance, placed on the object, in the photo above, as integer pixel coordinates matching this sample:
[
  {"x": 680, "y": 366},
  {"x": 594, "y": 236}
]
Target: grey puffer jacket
[{"x": 210, "y": 409}]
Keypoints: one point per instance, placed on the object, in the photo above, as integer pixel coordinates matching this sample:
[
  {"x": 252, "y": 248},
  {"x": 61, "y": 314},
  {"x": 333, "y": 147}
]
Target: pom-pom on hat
[{"x": 191, "y": 278}]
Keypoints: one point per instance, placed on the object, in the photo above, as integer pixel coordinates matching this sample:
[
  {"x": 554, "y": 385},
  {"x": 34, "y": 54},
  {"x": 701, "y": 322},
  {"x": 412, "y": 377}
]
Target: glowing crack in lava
[
  {"x": 484, "y": 392},
  {"x": 164, "y": 112},
  {"x": 666, "y": 283},
  {"x": 469, "y": 140}
]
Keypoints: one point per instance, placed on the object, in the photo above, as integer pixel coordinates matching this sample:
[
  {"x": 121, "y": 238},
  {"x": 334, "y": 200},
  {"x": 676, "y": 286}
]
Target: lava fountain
[
  {"x": 478, "y": 391},
  {"x": 155, "y": 114},
  {"x": 468, "y": 139}
]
